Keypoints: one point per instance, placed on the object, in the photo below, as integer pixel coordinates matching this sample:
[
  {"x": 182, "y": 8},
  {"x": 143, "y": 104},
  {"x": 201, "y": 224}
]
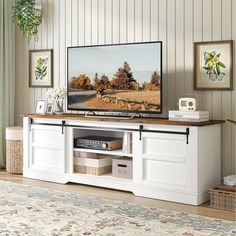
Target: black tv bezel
[{"x": 118, "y": 111}]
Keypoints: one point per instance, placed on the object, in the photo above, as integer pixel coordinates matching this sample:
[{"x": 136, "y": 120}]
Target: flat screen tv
[{"x": 124, "y": 78}]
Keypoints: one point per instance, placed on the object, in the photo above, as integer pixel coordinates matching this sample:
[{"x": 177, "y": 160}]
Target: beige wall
[{"x": 178, "y": 23}]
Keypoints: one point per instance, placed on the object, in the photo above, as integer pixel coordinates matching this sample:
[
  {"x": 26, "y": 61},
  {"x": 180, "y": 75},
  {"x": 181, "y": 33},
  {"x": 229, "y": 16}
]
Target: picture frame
[
  {"x": 49, "y": 109},
  {"x": 40, "y": 107},
  {"x": 213, "y": 65},
  {"x": 41, "y": 68}
]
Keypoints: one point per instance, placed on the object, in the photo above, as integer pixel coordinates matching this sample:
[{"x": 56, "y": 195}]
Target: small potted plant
[
  {"x": 58, "y": 96},
  {"x": 28, "y": 16}
]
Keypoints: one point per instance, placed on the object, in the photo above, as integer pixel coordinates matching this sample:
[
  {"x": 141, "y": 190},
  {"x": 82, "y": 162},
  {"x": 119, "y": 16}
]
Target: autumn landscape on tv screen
[{"x": 118, "y": 77}]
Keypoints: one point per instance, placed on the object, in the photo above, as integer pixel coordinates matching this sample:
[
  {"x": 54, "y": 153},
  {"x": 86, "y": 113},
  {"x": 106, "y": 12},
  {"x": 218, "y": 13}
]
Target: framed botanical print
[
  {"x": 213, "y": 65},
  {"x": 41, "y": 68}
]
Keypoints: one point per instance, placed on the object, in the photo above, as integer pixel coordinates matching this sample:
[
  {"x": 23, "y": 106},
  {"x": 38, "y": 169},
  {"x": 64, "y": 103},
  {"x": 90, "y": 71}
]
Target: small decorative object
[
  {"x": 187, "y": 104},
  {"x": 58, "y": 96},
  {"x": 49, "y": 108},
  {"x": 230, "y": 180},
  {"x": 213, "y": 65},
  {"x": 28, "y": 16},
  {"x": 41, "y": 68},
  {"x": 40, "y": 106}
]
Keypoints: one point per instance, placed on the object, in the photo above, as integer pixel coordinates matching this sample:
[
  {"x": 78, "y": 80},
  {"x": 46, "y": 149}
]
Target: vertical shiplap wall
[{"x": 178, "y": 23}]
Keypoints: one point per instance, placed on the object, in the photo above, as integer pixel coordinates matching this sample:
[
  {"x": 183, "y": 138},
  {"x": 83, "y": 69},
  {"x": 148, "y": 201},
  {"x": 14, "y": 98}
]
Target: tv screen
[{"x": 115, "y": 78}]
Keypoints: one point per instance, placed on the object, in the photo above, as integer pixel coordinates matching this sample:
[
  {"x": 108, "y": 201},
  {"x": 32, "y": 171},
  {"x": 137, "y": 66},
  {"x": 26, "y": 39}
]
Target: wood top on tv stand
[{"x": 157, "y": 121}]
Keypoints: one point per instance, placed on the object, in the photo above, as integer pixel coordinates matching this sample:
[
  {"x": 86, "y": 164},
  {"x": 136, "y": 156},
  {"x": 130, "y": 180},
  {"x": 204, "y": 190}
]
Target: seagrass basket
[
  {"x": 14, "y": 150},
  {"x": 223, "y": 197}
]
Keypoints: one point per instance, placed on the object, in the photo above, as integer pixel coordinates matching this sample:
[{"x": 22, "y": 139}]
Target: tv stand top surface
[{"x": 157, "y": 121}]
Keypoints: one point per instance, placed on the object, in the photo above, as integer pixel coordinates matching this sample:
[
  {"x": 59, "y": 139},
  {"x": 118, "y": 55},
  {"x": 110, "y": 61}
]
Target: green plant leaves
[
  {"x": 207, "y": 60},
  {"x": 232, "y": 121},
  {"x": 212, "y": 54},
  {"x": 213, "y": 65},
  {"x": 41, "y": 68},
  {"x": 205, "y": 67},
  {"x": 214, "y": 70},
  {"x": 28, "y": 17},
  {"x": 218, "y": 69},
  {"x": 221, "y": 64}
]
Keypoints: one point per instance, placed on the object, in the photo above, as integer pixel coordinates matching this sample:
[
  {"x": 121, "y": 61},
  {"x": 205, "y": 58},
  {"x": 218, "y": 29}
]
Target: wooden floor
[{"x": 204, "y": 209}]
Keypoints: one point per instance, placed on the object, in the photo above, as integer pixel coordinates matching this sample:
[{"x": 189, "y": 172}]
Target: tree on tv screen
[
  {"x": 81, "y": 82},
  {"x": 101, "y": 83},
  {"x": 123, "y": 79},
  {"x": 155, "y": 79}
]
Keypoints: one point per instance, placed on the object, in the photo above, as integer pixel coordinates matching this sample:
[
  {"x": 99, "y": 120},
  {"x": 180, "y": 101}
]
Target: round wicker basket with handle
[{"x": 14, "y": 150}]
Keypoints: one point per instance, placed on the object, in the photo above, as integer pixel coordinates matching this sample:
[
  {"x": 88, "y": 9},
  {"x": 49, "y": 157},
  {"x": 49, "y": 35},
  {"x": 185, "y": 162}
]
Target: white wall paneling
[
  {"x": 178, "y": 23},
  {"x": 206, "y": 36},
  {"x": 226, "y": 96}
]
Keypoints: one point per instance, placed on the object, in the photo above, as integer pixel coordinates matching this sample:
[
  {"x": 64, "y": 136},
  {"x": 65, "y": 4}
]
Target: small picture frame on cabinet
[
  {"x": 49, "y": 108},
  {"x": 40, "y": 106}
]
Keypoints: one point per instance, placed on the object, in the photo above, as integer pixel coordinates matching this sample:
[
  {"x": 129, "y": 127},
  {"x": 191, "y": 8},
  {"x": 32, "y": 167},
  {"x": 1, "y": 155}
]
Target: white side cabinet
[
  {"x": 44, "y": 151},
  {"x": 170, "y": 162},
  {"x": 172, "y": 169}
]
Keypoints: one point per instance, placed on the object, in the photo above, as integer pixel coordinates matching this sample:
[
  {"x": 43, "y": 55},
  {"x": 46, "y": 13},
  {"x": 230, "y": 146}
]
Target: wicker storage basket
[
  {"x": 92, "y": 170},
  {"x": 99, "y": 165},
  {"x": 14, "y": 150},
  {"x": 223, "y": 197}
]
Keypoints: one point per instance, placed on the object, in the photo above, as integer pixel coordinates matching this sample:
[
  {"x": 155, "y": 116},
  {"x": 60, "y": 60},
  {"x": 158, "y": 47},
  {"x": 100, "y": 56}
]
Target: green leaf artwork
[
  {"x": 213, "y": 66},
  {"x": 41, "y": 68}
]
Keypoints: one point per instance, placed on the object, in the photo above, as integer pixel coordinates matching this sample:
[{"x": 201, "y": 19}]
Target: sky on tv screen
[{"x": 143, "y": 59}]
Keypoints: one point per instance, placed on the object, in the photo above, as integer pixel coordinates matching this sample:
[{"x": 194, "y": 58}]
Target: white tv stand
[{"x": 175, "y": 161}]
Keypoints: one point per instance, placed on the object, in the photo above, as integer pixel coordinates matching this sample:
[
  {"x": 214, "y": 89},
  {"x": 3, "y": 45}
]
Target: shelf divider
[{"x": 118, "y": 152}]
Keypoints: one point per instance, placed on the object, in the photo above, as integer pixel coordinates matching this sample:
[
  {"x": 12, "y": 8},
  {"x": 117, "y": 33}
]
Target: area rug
[{"x": 34, "y": 211}]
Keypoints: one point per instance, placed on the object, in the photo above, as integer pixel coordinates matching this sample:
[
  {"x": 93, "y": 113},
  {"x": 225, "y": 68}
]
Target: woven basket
[
  {"x": 92, "y": 170},
  {"x": 223, "y": 197},
  {"x": 14, "y": 150}
]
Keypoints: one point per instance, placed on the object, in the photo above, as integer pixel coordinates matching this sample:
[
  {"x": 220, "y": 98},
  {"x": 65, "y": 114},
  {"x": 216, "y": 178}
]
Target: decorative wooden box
[
  {"x": 223, "y": 197},
  {"x": 99, "y": 165}
]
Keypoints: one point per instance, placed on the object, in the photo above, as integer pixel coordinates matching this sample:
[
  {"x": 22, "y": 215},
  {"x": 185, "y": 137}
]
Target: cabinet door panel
[
  {"x": 45, "y": 136},
  {"x": 167, "y": 145},
  {"x": 47, "y": 159},
  {"x": 165, "y": 160},
  {"x": 165, "y": 174},
  {"x": 47, "y": 148}
]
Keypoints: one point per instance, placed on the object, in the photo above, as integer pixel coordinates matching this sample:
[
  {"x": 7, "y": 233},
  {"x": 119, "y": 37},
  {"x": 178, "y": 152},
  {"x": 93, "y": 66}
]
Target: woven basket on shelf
[{"x": 14, "y": 150}]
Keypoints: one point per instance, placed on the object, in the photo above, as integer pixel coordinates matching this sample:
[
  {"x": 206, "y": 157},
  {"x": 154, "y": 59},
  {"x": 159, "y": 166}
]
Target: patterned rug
[{"x": 34, "y": 211}]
